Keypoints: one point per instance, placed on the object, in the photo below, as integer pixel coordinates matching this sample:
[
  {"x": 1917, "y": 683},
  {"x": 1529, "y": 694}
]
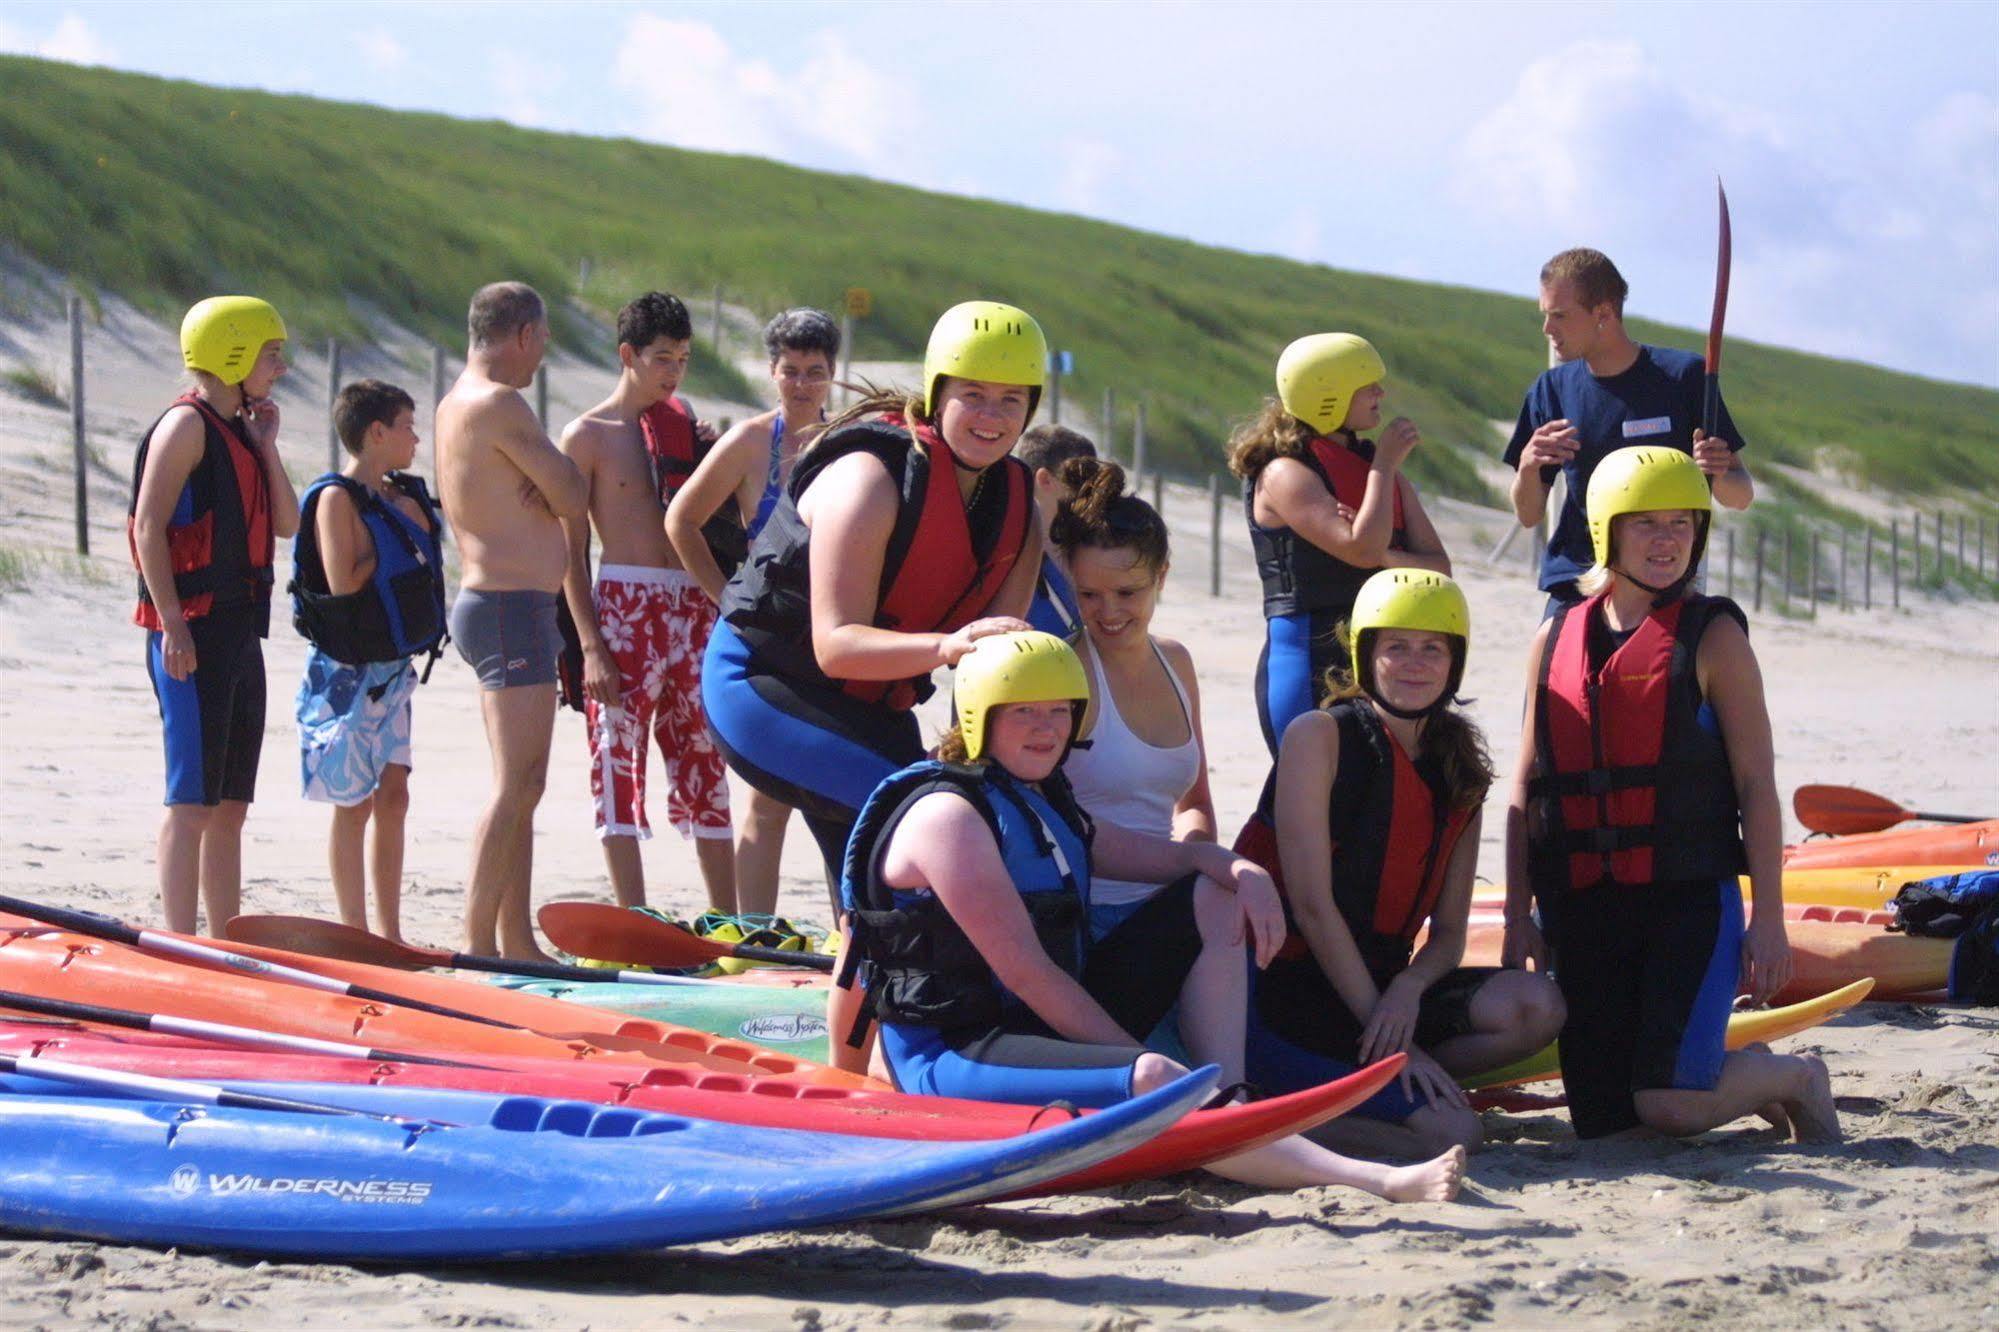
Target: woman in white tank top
[{"x": 1145, "y": 766}]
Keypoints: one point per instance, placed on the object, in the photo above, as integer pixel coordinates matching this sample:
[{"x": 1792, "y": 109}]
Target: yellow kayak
[
  {"x": 1766, "y": 1024},
  {"x": 1868, "y": 887}
]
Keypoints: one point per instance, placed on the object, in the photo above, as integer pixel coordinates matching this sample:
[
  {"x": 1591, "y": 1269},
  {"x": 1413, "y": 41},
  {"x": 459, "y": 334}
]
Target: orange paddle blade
[
  {"x": 1841, "y": 810},
  {"x": 613, "y": 934},
  {"x": 328, "y": 938}
]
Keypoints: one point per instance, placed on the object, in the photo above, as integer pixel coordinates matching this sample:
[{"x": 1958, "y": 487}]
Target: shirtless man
[
  {"x": 505, "y": 489},
  {"x": 644, "y": 624},
  {"x": 751, "y": 464}
]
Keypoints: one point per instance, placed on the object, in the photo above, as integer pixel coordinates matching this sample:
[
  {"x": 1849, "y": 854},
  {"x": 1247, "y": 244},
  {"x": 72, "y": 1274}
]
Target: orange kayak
[
  {"x": 1952, "y": 844},
  {"x": 38, "y": 960},
  {"x": 1825, "y": 955}
]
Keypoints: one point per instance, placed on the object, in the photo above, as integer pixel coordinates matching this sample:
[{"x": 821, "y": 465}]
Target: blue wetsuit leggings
[
  {"x": 1298, "y": 651},
  {"x": 821, "y": 751}
]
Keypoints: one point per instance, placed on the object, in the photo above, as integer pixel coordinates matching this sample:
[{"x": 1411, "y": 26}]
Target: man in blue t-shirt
[{"x": 1607, "y": 393}]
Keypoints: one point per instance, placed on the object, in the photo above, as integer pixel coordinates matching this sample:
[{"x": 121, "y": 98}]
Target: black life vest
[
  {"x": 219, "y": 535},
  {"x": 913, "y": 960},
  {"x": 1394, "y": 830},
  {"x": 400, "y": 611},
  {"x": 1630, "y": 788},
  {"x": 676, "y": 450},
  {"x": 943, "y": 565},
  {"x": 1296, "y": 574}
]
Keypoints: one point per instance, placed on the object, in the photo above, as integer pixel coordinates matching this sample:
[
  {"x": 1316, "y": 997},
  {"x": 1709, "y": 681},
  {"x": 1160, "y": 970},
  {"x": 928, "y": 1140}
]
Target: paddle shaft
[
  {"x": 116, "y": 931},
  {"x": 144, "y": 1087},
  {"x": 167, "y": 1025}
]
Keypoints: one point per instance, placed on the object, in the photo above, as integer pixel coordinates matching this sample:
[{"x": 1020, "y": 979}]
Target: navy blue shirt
[
  {"x": 1054, "y": 610},
  {"x": 1657, "y": 401}
]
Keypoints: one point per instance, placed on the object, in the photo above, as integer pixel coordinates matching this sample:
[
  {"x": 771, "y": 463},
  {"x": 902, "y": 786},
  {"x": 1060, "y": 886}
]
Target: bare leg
[
  {"x": 1430, "y": 1130},
  {"x": 180, "y": 864},
  {"x": 222, "y": 864},
  {"x": 1750, "y": 1080},
  {"x": 627, "y": 870},
  {"x": 345, "y": 852},
  {"x": 1214, "y": 999},
  {"x": 842, "y": 1006},
  {"x": 519, "y": 723},
  {"x": 1292, "y": 1163},
  {"x": 1513, "y": 1015},
  {"x": 392, "y": 807},
  {"x": 717, "y": 858},
  {"x": 759, "y": 845}
]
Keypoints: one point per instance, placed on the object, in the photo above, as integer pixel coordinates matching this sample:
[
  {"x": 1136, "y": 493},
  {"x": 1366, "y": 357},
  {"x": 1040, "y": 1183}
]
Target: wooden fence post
[
  {"x": 1812, "y": 568},
  {"x": 1137, "y": 445},
  {"x": 1761, "y": 533},
  {"x": 436, "y": 381},
  {"x": 82, "y": 448},
  {"x": 1916, "y": 545},
  {"x": 1937, "y": 571},
  {"x": 1784, "y": 589},
  {"x": 1107, "y": 423},
  {"x": 332, "y": 393},
  {"x": 1895, "y": 561},
  {"x": 1844, "y": 539},
  {"x": 1867, "y": 568},
  {"x": 1214, "y": 535},
  {"x": 1159, "y": 491},
  {"x": 541, "y": 395},
  {"x": 1960, "y": 547}
]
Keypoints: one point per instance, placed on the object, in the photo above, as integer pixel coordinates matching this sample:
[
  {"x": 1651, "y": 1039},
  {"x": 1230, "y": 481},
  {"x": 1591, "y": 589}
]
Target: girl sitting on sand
[
  {"x": 1326, "y": 508},
  {"x": 1373, "y": 810},
  {"x": 1645, "y": 786},
  {"x": 966, "y": 885},
  {"x": 1146, "y": 766}
]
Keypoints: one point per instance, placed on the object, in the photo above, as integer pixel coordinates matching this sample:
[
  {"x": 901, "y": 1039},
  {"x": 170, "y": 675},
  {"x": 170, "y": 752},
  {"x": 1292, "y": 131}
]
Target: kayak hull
[{"x": 1952, "y": 844}]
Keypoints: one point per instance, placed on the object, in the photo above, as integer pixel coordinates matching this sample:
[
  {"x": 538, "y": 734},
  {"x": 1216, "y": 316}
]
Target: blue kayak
[{"x": 476, "y": 1177}]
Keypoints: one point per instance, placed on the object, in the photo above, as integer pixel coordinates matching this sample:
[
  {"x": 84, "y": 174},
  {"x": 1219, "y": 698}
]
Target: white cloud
[
  {"x": 72, "y": 40},
  {"x": 694, "y": 90},
  {"x": 382, "y": 51},
  {"x": 1839, "y": 247},
  {"x": 1088, "y": 165},
  {"x": 521, "y": 84}
]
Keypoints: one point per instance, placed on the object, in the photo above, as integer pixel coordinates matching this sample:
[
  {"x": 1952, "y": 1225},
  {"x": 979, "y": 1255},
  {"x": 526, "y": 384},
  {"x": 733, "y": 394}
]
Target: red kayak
[
  {"x": 1201, "y": 1137},
  {"x": 1953, "y": 844}
]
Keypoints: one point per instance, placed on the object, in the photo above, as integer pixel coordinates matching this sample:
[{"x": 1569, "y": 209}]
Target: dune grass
[{"x": 166, "y": 191}]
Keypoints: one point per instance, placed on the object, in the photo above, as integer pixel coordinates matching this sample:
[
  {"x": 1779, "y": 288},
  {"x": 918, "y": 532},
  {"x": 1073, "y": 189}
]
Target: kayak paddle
[
  {"x": 117, "y": 931},
  {"x": 598, "y": 929},
  {"x": 344, "y": 943},
  {"x": 144, "y": 1087},
  {"x": 219, "y": 1032},
  {"x": 1843, "y": 810},
  {"x": 1723, "y": 254}
]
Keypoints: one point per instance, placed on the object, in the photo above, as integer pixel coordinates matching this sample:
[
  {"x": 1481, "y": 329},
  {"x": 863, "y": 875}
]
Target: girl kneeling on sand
[
  {"x": 1373, "y": 809},
  {"x": 967, "y": 884},
  {"x": 1645, "y": 786},
  {"x": 1326, "y": 509}
]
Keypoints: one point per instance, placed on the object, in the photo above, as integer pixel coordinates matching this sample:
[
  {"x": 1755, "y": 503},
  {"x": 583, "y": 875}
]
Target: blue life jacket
[
  {"x": 1054, "y": 609},
  {"x": 912, "y": 959},
  {"x": 400, "y": 612},
  {"x": 1964, "y": 907}
]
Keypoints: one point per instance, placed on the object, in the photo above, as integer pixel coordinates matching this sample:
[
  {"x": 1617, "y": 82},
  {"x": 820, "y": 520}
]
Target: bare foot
[
  {"x": 1813, "y": 1116},
  {"x": 1435, "y": 1180}
]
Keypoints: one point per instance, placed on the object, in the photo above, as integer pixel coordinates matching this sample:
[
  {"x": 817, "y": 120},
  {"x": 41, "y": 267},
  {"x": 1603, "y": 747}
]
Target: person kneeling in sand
[
  {"x": 1373, "y": 811},
  {"x": 506, "y": 489},
  {"x": 368, "y": 594},
  {"x": 1646, "y": 785},
  {"x": 966, "y": 885}
]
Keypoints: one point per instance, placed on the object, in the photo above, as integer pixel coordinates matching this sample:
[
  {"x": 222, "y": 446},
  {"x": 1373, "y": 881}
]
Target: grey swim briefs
[{"x": 509, "y": 638}]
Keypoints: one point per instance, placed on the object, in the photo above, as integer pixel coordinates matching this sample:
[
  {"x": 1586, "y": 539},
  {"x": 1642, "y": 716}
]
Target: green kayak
[{"x": 788, "y": 1019}]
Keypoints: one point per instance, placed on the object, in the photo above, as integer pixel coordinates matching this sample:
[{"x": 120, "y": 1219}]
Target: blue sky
[{"x": 1447, "y": 142}]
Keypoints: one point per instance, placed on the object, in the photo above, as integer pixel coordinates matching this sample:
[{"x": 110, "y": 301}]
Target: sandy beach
[{"x": 1894, "y": 1228}]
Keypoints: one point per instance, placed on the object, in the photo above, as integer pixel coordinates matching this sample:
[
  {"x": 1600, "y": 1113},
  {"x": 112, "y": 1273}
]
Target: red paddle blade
[
  {"x": 331, "y": 939},
  {"x": 1843, "y": 810},
  {"x": 1723, "y": 261},
  {"x": 613, "y": 934}
]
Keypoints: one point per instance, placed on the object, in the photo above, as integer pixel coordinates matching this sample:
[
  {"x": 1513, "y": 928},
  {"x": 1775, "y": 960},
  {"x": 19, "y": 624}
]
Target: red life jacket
[
  {"x": 675, "y": 450},
  {"x": 943, "y": 565},
  {"x": 1297, "y": 575},
  {"x": 1631, "y": 787},
  {"x": 219, "y": 536},
  {"x": 1393, "y": 834}
]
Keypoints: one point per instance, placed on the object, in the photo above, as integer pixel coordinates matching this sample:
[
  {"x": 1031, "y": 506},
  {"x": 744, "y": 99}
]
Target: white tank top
[{"x": 1123, "y": 780}]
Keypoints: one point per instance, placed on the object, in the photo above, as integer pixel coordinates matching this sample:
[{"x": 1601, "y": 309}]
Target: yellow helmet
[
  {"x": 1024, "y": 667},
  {"x": 1418, "y": 599},
  {"x": 986, "y": 340},
  {"x": 1640, "y": 479},
  {"x": 223, "y": 335},
  {"x": 1318, "y": 375}
]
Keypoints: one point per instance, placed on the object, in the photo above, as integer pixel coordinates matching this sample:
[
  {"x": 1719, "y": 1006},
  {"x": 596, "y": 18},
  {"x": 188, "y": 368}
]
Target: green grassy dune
[{"x": 164, "y": 192}]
